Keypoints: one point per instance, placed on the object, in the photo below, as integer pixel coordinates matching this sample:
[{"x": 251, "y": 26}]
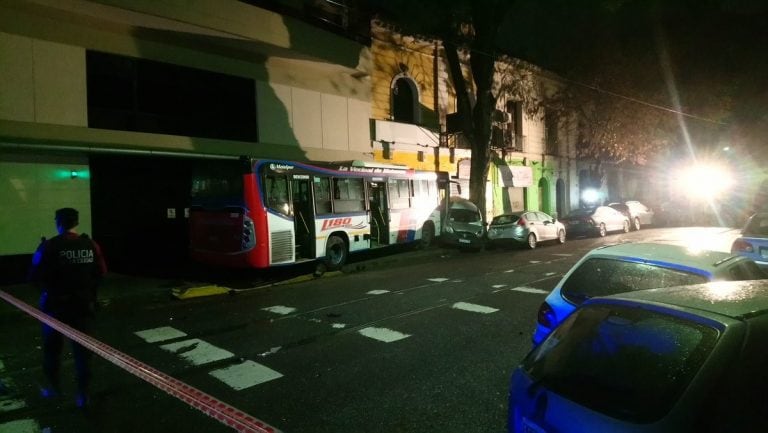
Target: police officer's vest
[{"x": 73, "y": 268}]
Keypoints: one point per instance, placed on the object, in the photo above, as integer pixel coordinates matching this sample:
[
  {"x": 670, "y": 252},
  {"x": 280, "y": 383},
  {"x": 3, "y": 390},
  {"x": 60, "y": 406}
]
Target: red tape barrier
[{"x": 222, "y": 412}]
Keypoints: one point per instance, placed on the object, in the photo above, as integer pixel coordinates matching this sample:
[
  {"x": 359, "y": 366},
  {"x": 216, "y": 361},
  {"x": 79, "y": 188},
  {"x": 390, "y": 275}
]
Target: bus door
[
  {"x": 379, "y": 211},
  {"x": 303, "y": 216}
]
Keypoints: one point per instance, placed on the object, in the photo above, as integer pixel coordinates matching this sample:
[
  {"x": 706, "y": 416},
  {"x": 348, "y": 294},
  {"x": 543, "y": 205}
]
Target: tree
[{"x": 468, "y": 31}]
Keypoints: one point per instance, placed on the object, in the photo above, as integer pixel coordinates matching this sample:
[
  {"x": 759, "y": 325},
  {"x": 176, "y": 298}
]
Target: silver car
[{"x": 528, "y": 228}]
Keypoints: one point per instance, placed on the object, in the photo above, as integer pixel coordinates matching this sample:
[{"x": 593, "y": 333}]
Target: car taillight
[
  {"x": 521, "y": 222},
  {"x": 546, "y": 316},
  {"x": 740, "y": 245}
]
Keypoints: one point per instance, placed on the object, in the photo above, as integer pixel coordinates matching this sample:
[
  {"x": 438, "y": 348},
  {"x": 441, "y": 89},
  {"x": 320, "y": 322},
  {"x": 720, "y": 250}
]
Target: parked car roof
[
  {"x": 659, "y": 252},
  {"x": 735, "y": 299}
]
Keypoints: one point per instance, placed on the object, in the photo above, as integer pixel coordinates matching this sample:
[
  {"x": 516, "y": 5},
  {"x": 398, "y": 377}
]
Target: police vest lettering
[{"x": 77, "y": 256}]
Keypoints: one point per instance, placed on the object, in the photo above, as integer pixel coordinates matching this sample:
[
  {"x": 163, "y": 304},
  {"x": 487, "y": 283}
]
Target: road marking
[
  {"x": 383, "y": 334},
  {"x": 549, "y": 274},
  {"x": 280, "y": 309},
  {"x": 339, "y": 325},
  {"x": 498, "y": 286},
  {"x": 20, "y": 426},
  {"x": 377, "y": 292},
  {"x": 271, "y": 351},
  {"x": 437, "y": 280},
  {"x": 511, "y": 270},
  {"x": 563, "y": 255},
  {"x": 535, "y": 261},
  {"x": 10, "y": 404},
  {"x": 197, "y": 351},
  {"x": 466, "y": 306},
  {"x": 245, "y": 375},
  {"x": 529, "y": 290},
  {"x": 162, "y": 333}
]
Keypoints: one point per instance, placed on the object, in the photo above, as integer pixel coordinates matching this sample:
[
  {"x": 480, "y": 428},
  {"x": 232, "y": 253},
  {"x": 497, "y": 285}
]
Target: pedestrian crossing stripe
[
  {"x": 197, "y": 352},
  {"x": 163, "y": 333},
  {"x": 466, "y": 306},
  {"x": 20, "y": 426},
  {"x": 245, "y": 375},
  {"x": 530, "y": 290},
  {"x": 383, "y": 334}
]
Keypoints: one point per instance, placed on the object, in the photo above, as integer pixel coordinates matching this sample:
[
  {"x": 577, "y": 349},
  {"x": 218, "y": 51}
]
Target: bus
[{"x": 277, "y": 212}]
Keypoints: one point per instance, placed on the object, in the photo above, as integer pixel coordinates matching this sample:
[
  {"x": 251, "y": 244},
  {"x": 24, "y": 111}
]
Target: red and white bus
[{"x": 275, "y": 212}]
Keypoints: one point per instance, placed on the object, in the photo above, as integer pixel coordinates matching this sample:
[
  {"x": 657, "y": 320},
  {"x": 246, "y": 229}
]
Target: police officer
[{"x": 68, "y": 267}]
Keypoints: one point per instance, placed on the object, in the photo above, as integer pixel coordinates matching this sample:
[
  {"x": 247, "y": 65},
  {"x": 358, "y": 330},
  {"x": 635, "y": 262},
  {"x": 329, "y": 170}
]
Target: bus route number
[{"x": 335, "y": 223}]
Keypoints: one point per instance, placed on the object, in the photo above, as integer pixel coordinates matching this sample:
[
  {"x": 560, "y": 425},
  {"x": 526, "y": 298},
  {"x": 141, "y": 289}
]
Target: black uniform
[{"x": 69, "y": 268}]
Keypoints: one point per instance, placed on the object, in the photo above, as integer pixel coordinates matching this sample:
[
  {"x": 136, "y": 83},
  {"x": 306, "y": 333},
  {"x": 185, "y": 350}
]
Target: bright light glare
[
  {"x": 590, "y": 195},
  {"x": 705, "y": 181}
]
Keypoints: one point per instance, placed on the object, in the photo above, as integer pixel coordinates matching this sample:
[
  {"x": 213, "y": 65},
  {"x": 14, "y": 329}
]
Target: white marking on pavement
[
  {"x": 549, "y": 274},
  {"x": 271, "y": 351},
  {"x": 466, "y": 306},
  {"x": 529, "y": 290},
  {"x": 245, "y": 375},
  {"x": 457, "y": 281},
  {"x": 339, "y": 325},
  {"x": 20, "y": 426},
  {"x": 511, "y": 270},
  {"x": 498, "y": 286},
  {"x": 197, "y": 351},
  {"x": 437, "y": 280},
  {"x": 383, "y": 334},
  {"x": 10, "y": 404},
  {"x": 280, "y": 309},
  {"x": 535, "y": 261},
  {"x": 162, "y": 333},
  {"x": 377, "y": 292},
  {"x": 563, "y": 255}
]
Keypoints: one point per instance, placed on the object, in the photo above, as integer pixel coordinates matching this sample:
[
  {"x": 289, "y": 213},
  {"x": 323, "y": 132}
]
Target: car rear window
[
  {"x": 757, "y": 226},
  {"x": 628, "y": 363},
  {"x": 505, "y": 219},
  {"x": 602, "y": 277}
]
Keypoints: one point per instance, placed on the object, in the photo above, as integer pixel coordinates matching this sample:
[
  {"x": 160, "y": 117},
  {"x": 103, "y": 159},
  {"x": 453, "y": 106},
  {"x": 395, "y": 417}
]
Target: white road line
[
  {"x": 466, "y": 306},
  {"x": 377, "y": 292},
  {"x": 529, "y": 290},
  {"x": 535, "y": 261},
  {"x": 197, "y": 351},
  {"x": 511, "y": 270},
  {"x": 498, "y": 286},
  {"x": 20, "y": 426},
  {"x": 437, "y": 280},
  {"x": 162, "y": 333},
  {"x": 383, "y": 334},
  {"x": 549, "y": 274},
  {"x": 339, "y": 325},
  {"x": 11, "y": 404},
  {"x": 280, "y": 309},
  {"x": 245, "y": 375}
]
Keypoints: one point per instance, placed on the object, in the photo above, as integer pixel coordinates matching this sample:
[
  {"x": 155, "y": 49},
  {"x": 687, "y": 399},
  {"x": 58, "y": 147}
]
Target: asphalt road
[{"x": 423, "y": 341}]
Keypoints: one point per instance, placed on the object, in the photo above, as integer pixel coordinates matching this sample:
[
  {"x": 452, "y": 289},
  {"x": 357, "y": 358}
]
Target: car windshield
[
  {"x": 582, "y": 212},
  {"x": 603, "y": 276},
  {"x": 628, "y": 363},
  {"x": 464, "y": 215},
  {"x": 505, "y": 219}
]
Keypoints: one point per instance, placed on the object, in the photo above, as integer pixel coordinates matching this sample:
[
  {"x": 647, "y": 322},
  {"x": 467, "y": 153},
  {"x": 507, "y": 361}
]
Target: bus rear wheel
[{"x": 336, "y": 253}]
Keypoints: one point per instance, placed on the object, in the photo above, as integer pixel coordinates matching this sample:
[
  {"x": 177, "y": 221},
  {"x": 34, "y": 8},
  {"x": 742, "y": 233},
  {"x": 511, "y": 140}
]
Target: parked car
[
  {"x": 685, "y": 359},
  {"x": 464, "y": 226},
  {"x": 527, "y": 228},
  {"x": 630, "y": 267},
  {"x": 753, "y": 242},
  {"x": 595, "y": 221},
  {"x": 639, "y": 214}
]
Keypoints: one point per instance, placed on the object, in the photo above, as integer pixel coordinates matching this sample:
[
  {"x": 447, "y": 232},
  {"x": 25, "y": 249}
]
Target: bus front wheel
[{"x": 335, "y": 253}]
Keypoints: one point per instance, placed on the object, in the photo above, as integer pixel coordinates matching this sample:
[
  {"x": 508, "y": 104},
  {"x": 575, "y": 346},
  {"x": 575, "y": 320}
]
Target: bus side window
[
  {"x": 276, "y": 191},
  {"x": 399, "y": 193},
  {"x": 322, "y": 195},
  {"x": 348, "y": 195}
]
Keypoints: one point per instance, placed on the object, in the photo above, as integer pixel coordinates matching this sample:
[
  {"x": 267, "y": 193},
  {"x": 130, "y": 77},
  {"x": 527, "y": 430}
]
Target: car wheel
[
  {"x": 427, "y": 235},
  {"x": 637, "y": 224},
  {"x": 335, "y": 253},
  {"x": 601, "y": 230},
  {"x": 626, "y": 227},
  {"x": 561, "y": 236},
  {"x": 531, "y": 241}
]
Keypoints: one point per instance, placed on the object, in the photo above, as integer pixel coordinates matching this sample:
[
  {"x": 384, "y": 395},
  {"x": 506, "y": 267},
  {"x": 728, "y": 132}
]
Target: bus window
[
  {"x": 348, "y": 195},
  {"x": 276, "y": 193},
  {"x": 322, "y": 195},
  {"x": 399, "y": 193}
]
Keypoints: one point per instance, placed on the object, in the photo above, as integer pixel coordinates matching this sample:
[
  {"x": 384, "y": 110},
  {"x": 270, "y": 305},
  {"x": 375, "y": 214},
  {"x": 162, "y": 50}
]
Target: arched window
[{"x": 405, "y": 100}]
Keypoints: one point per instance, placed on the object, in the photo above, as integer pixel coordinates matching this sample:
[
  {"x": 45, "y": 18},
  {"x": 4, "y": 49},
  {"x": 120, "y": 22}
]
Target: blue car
[
  {"x": 636, "y": 266},
  {"x": 753, "y": 242},
  {"x": 686, "y": 359}
]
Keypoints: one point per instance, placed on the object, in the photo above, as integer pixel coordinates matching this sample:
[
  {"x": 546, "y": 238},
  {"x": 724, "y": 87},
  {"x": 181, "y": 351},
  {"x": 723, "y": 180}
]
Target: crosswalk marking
[
  {"x": 498, "y": 286},
  {"x": 163, "y": 333},
  {"x": 10, "y": 404},
  {"x": 245, "y": 375},
  {"x": 530, "y": 290},
  {"x": 280, "y": 309},
  {"x": 383, "y": 334},
  {"x": 197, "y": 352},
  {"x": 437, "y": 280},
  {"x": 549, "y": 274},
  {"x": 377, "y": 292},
  {"x": 466, "y": 306},
  {"x": 20, "y": 426}
]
